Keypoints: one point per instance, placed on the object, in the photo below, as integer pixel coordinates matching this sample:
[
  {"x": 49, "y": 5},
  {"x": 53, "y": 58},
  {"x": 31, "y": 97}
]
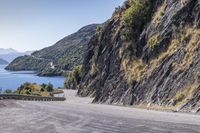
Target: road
[{"x": 78, "y": 115}]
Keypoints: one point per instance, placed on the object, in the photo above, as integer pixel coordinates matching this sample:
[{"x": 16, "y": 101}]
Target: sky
[{"x": 34, "y": 24}]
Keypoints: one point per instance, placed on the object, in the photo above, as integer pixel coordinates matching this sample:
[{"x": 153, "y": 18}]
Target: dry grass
[
  {"x": 153, "y": 40},
  {"x": 191, "y": 49},
  {"x": 45, "y": 94},
  {"x": 135, "y": 69},
  {"x": 94, "y": 69},
  {"x": 181, "y": 97},
  {"x": 152, "y": 106},
  {"x": 184, "y": 2},
  {"x": 186, "y": 93},
  {"x": 159, "y": 13}
]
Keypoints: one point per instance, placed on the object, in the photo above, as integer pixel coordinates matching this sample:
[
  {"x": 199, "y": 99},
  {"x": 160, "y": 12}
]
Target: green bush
[
  {"x": 135, "y": 17},
  {"x": 153, "y": 40},
  {"x": 99, "y": 28},
  {"x": 49, "y": 87},
  {"x": 74, "y": 76},
  {"x": 128, "y": 52},
  {"x": 8, "y": 91}
]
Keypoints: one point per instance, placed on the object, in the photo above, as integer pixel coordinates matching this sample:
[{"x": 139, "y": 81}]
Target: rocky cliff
[
  {"x": 148, "y": 53},
  {"x": 59, "y": 58}
]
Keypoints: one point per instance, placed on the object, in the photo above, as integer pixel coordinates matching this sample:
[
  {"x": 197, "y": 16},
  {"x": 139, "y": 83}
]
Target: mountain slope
[
  {"x": 3, "y": 62},
  {"x": 57, "y": 59},
  {"x": 148, "y": 53}
]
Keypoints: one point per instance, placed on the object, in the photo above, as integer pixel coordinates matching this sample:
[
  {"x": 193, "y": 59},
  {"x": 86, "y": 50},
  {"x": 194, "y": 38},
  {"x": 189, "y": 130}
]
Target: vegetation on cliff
[
  {"x": 135, "y": 17},
  {"x": 148, "y": 53},
  {"x": 74, "y": 77}
]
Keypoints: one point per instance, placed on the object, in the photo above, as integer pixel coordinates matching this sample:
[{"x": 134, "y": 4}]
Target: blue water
[{"x": 12, "y": 80}]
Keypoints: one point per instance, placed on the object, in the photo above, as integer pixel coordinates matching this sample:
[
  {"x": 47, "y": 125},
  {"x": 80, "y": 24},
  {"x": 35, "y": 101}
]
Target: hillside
[
  {"x": 3, "y": 62},
  {"x": 147, "y": 54},
  {"x": 59, "y": 58}
]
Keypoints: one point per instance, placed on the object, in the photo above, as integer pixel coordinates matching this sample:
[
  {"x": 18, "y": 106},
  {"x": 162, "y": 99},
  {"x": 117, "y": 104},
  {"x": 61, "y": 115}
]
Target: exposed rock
[{"x": 160, "y": 64}]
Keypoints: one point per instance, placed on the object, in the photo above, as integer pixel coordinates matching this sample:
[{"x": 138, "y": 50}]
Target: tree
[
  {"x": 74, "y": 77},
  {"x": 49, "y": 87},
  {"x": 8, "y": 91}
]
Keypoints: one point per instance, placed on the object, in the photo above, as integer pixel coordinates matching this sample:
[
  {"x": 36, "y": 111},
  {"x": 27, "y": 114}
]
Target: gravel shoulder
[{"x": 78, "y": 115}]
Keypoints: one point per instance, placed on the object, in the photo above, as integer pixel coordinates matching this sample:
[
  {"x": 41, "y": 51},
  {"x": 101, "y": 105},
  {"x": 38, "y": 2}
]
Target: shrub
[
  {"x": 153, "y": 40},
  {"x": 99, "y": 28},
  {"x": 8, "y": 91},
  {"x": 49, "y": 87},
  {"x": 74, "y": 76},
  {"x": 35, "y": 89},
  {"x": 135, "y": 17}
]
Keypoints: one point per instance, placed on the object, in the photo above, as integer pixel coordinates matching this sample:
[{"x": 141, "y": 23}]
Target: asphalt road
[{"x": 77, "y": 115}]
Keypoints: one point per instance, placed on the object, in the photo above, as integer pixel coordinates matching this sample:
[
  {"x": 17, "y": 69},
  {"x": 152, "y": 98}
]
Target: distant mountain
[
  {"x": 59, "y": 58},
  {"x": 3, "y": 62},
  {"x": 7, "y": 51},
  {"x": 10, "y": 54}
]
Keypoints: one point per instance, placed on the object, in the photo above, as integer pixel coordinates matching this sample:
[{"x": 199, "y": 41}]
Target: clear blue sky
[{"x": 34, "y": 24}]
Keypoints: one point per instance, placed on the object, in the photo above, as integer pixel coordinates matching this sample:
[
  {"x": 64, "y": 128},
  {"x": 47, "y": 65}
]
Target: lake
[{"x": 12, "y": 80}]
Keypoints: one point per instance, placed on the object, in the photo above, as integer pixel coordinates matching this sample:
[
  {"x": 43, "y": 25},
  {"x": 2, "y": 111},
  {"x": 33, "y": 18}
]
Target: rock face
[
  {"x": 153, "y": 61},
  {"x": 57, "y": 59}
]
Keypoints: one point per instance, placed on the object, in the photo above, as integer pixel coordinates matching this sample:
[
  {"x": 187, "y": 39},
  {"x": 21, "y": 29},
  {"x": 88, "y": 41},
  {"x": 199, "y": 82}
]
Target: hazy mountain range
[
  {"x": 10, "y": 54},
  {"x": 3, "y": 62}
]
